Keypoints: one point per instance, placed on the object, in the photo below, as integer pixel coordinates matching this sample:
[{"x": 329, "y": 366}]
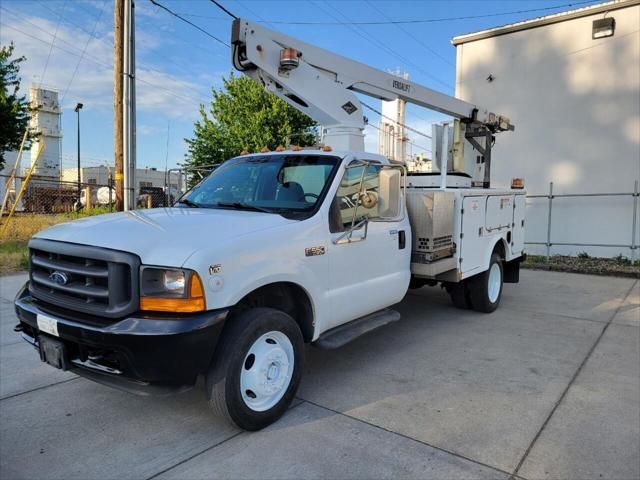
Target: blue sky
[{"x": 69, "y": 46}]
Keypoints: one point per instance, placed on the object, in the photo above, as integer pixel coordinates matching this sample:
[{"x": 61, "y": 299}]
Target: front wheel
[
  {"x": 256, "y": 369},
  {"x": 485, "y": 289}
]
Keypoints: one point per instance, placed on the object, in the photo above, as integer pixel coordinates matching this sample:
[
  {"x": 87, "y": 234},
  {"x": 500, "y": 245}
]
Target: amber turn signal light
[{"x": 195, "y": 302}]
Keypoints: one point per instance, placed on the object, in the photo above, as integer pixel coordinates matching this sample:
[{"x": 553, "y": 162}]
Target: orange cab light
[
  {"x": 244, "y": 152},
  {"x": 517, "y": 183},
  {"x": 280, "y": 148},
  {"x": 264, "y": 150},
  {"x": 296, "y": 148},
  {"x": 327, "y": 148},
  {"x": 194, "y": 303}
]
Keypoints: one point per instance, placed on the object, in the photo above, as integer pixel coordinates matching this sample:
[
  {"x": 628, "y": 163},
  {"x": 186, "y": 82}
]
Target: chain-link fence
[{"x": 46, "y": 195}]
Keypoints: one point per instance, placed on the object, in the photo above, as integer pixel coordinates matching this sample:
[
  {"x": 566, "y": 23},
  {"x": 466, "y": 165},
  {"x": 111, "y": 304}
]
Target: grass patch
[
  {"x": 21, "y": 227},
  {"x": 13, "y": 257},
  {"x": 619, "y": 266}
]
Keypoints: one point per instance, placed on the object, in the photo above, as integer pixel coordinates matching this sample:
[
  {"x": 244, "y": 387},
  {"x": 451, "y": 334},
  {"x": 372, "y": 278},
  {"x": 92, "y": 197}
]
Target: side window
[
  {"x": 350, "y": 199},
  {"x": 311, "y": 178}
]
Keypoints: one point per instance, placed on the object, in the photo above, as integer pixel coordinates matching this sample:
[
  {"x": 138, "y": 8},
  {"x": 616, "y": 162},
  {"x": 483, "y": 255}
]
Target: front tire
[
  {"x": 256, "y": 369},
  {"x": 485, "y": 289}
]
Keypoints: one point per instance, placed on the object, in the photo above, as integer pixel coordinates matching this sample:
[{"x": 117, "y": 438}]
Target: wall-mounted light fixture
[{"x": 603, "y": 28}]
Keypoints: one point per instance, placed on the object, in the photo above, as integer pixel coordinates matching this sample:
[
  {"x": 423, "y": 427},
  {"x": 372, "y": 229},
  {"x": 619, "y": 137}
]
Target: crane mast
[{"x": 323, "y": 84}]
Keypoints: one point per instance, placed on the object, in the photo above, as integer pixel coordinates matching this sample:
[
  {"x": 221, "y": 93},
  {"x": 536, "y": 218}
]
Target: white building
[
  {"x": 45, "y": 121},
  {"x": 145, "y": 177},
  {"x": 392, "y": 140},
  {"x": 571, "y": 84}
]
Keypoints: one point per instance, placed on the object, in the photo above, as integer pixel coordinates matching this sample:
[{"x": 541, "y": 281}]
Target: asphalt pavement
[{"x": 548, "y": 386}]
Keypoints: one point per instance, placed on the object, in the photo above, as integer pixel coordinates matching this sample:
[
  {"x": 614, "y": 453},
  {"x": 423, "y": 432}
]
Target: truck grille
[{"x": 90, "y": 280}]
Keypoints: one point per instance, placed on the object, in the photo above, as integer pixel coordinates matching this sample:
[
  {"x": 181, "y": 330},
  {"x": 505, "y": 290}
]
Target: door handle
[{"x": 402, "y": 240}]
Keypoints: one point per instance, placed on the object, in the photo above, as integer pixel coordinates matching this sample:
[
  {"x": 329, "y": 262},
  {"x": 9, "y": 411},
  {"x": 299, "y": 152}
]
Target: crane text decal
[{"x": 398, "y": 85}]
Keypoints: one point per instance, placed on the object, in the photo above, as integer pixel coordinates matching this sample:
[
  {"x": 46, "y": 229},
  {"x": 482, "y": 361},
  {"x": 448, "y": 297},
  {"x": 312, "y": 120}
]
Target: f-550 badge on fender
[{"x": 313, "y": 251}]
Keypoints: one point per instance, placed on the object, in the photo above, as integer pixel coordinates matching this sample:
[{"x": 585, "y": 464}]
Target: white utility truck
[{"x": 274, "y": 250}]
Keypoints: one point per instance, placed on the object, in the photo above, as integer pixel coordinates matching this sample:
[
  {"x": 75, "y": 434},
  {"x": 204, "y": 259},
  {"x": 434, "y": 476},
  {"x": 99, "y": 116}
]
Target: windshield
[{"x": 270, "y": 183}]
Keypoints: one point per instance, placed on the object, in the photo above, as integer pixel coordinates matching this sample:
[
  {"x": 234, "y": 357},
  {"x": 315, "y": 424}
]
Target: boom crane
[{"x": 322, "y": 84}]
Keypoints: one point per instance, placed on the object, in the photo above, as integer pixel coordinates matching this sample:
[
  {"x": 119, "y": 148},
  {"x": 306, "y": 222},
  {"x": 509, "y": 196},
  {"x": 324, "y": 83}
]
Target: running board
[{"x": 339, "y": 336}]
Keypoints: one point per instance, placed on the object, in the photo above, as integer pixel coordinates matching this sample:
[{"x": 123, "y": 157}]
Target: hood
[{"x": 163, "y": 236}]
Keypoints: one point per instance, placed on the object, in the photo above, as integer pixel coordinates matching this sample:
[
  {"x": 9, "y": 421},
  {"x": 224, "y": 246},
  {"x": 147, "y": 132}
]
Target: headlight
[{"x": 171, "y": 290}]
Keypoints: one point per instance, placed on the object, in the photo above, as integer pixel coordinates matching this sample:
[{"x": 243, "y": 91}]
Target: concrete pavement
[{"x": 546, "y": 387}]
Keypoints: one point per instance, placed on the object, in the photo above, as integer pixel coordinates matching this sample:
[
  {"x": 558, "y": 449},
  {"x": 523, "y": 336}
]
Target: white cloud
[{"x": 158, "y": 92}]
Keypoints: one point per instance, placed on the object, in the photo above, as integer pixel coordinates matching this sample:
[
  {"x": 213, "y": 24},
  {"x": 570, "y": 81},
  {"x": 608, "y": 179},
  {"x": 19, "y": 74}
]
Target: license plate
[
  {"x": 53, "y": 352},
  {"x": 48, "y": 325}
]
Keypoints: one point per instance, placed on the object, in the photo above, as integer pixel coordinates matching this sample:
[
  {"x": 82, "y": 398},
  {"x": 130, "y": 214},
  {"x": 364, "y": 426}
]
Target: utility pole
[
  {"x": 78, "y": 203},
  {"x": 129, "y": 106},
  {"x": 118, "y": 64}
]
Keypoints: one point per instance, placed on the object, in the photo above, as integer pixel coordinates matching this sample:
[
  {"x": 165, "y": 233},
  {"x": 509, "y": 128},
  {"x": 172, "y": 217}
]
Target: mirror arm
[
  {"x": 355, "y": 210},
  {"x": 347, "y": 237}
]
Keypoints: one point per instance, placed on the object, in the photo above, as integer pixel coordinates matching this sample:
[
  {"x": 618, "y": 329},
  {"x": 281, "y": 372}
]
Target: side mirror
[{"x": 389, "y": 194}]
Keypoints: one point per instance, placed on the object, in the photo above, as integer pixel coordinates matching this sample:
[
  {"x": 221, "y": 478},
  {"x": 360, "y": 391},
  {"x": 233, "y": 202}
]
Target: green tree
[
  {"x": 14, "y": 108},
  {"x": 243, "y": 116}
]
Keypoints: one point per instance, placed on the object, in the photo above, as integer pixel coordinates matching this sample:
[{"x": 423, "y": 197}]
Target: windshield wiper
[
  {"x": 189, "y": 203},
  {"x": 243, "y": 206}
]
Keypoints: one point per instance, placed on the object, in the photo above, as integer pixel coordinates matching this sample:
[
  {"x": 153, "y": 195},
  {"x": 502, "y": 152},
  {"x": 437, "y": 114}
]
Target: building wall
[
  {"x": 46, "y": 121},
  {"x": 575, "y": 103},
  {"x": 100, "y": 176}
]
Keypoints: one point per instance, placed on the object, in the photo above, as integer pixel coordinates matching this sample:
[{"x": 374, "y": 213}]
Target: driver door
[{"x": 371, "y": 271}]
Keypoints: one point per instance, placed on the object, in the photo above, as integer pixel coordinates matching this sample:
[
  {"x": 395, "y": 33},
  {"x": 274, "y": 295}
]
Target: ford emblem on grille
[{"x": 59, "y": 278}]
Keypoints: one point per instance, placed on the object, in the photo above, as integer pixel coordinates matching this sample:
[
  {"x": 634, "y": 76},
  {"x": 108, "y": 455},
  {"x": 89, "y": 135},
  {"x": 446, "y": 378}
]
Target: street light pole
[{"x": 77, "y": 110}]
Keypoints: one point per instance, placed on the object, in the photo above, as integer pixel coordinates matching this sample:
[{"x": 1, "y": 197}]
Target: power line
[
  {"x": 189, "y": 22},
  {"x": 110, "y": 44},
  {"x": 97, "y": 62},
  {"x": 411, "y": 129},
  {"x": 55, "y": 35},
  {"x": 403, "y": 139},
  {"x": 221, "y": 7},
  {"x": 407, "y": 32},
  {"x": 435, "y": 20},
  {"x": 389, "y": 50},
  {"x": 94, "y": 60},
  {"x": 84, "y": 50}
]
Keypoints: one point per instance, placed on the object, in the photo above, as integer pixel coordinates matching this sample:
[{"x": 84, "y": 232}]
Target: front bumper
[{"x": 143, "y": 353}]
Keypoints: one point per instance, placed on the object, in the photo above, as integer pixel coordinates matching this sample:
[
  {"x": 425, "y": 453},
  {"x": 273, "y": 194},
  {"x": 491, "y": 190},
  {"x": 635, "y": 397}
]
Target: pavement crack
[
  {"x": 572, "y": 380},
  {"x": 422, "y": 442},
  {"x": 38, "y": 388},
  {"x": 181, "y": 462},
  {"x": 155, "y": 475}
]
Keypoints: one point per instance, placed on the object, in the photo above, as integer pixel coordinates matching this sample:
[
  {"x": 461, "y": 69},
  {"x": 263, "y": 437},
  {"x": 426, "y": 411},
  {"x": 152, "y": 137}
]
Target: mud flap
[{"x": 512, "y": 270}]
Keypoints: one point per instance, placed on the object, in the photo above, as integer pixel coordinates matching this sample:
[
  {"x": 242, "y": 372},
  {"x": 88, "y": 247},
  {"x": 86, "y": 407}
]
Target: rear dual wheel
[
  {"x": 481, "y": 292},
  {"x": 485, "y": 289}
]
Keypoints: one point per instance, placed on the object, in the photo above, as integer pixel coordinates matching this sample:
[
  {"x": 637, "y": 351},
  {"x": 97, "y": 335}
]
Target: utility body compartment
[{"x": 478, "y": 219}]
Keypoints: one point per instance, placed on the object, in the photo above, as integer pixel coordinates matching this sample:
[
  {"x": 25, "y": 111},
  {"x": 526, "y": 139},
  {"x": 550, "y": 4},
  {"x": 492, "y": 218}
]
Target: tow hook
[{"x": 18, "y": 328}]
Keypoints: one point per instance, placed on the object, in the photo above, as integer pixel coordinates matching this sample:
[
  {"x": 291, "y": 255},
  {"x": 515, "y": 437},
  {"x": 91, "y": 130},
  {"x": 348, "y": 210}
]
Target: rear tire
[
  {"x": 256, "y": 369},
  {"x": 459, "y": 293},
  {"x": 485, "y": 289}
]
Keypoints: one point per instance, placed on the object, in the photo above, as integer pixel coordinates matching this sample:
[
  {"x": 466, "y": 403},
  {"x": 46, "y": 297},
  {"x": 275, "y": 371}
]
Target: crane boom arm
[{"x": 322, "y": 84}]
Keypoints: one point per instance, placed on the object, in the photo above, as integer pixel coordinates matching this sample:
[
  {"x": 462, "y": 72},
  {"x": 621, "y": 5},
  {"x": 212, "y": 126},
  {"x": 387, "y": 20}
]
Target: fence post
[
  {"x": 634, "y": 222},
  {"x": 110, "y": 183},
  {"x": 88, "y": 201},
  {"x": 549, "y": 221}
]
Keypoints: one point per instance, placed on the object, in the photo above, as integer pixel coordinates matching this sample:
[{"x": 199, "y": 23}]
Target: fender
[
  {"x": 264, "y": 281},
  {"x": 489, "y": 252}
]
